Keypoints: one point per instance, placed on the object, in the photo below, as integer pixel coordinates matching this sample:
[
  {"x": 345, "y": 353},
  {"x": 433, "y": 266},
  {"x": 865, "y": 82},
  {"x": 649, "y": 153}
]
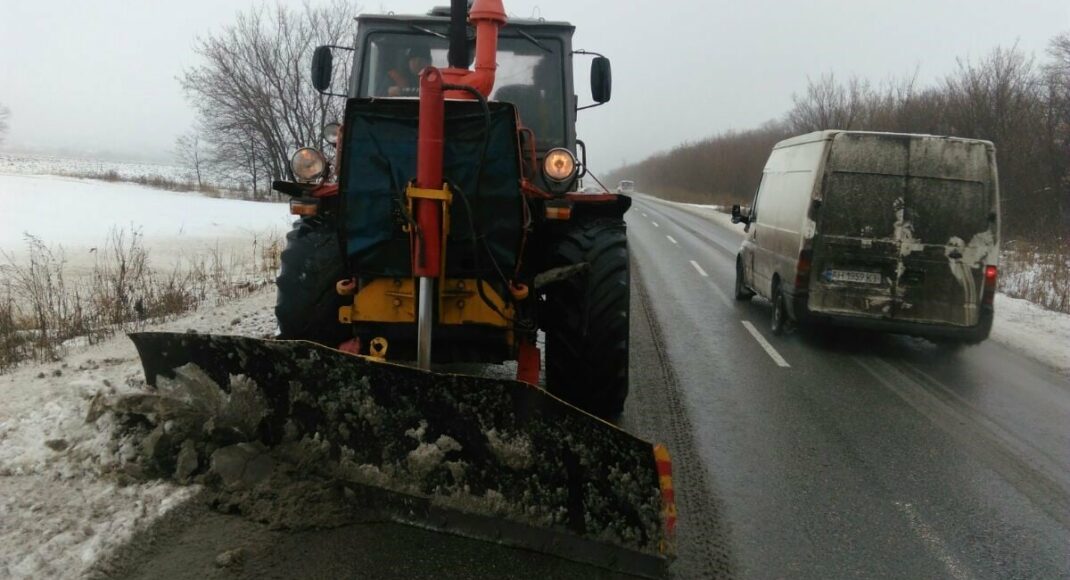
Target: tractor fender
[{"x": 602, "y": 205}]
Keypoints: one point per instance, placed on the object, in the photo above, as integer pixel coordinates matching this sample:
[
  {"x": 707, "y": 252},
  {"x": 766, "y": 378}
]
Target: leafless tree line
[
  {"x": 1022, "y": 105},
  {"x": 251, "y": 92}
]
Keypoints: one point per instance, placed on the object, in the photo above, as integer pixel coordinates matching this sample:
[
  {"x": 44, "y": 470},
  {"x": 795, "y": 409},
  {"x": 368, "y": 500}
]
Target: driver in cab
[{"x": 405, "y": 79}]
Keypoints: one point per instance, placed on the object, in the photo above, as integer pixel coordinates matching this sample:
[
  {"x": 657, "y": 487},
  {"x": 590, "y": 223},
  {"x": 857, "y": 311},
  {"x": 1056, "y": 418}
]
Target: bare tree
[
  {"x": 830, "y": 105},
  {"x": 252, "y": 94},
  {"x": 5, "y": 115},
  {"x": 190, "y": 152}
]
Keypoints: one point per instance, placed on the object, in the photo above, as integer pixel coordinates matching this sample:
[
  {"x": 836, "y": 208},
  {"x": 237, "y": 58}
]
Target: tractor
[{"x": 447, "y": 228}]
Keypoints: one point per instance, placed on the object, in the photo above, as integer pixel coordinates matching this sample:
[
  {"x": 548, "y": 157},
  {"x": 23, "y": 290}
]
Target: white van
[
  {"x": 885, "y": 231},
  {"x": 626, "y": 187}
]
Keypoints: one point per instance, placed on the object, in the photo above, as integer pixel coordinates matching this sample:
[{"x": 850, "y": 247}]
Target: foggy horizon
[{"x": 100, "y": 80}]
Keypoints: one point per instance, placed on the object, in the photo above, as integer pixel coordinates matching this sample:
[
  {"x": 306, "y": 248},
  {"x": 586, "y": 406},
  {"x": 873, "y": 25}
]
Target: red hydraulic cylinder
[{"x": 427, "y": 259}]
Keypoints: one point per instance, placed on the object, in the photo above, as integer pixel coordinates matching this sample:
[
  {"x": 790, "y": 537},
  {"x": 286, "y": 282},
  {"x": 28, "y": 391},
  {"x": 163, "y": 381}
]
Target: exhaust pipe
[
  {"x": 487, "y": 16},
  {"x": 458, "y": 54}
]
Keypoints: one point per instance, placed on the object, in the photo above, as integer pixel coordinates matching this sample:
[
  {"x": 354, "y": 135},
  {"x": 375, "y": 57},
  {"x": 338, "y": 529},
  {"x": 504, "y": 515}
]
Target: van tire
[
  {"x": 743, "y": 293},
  {"x": 780, "y": 311},
  {"x": 306, "y": 303},
  {"x": 586, "y": 319}
]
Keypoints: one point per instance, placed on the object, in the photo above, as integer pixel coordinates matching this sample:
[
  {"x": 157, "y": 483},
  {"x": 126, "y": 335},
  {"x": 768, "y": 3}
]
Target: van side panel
[
  {"x": 905, "y": 229},
  {"x": 783, "y": 203}
]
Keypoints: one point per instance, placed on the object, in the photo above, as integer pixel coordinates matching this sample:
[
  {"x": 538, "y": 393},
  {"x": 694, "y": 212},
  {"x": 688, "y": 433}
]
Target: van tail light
[
  {"x": 989, "y": 296},
  {"x": 802, "y": 269}
]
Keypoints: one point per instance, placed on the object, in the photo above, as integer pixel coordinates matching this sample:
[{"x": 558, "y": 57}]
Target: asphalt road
[
  {"x": 843, "y": 455},
  {"x": 846, "y": 454}
]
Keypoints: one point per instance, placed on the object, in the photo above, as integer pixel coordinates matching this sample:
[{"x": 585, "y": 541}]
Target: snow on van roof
[{"x": 828, "y": 134}]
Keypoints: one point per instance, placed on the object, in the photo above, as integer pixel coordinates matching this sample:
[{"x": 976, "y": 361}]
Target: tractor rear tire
[
  {"x": 586, "y": 319},
  {"x": 306, "y": 304}
]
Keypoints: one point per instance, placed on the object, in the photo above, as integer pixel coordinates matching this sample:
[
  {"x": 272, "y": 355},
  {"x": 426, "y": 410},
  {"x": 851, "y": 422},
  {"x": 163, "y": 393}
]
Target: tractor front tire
[
  {"x": 586, "y": 319},
  {"x": 306, "y": 304}
]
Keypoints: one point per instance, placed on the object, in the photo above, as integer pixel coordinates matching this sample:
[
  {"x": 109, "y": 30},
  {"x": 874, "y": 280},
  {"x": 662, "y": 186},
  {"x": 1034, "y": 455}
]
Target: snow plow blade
[{"x": 485, "y": 458}]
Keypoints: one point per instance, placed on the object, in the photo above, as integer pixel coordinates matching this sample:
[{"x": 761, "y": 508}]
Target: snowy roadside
[
  {"x": 64, "y": 498},
  {"x": 1020, "y": 325}
]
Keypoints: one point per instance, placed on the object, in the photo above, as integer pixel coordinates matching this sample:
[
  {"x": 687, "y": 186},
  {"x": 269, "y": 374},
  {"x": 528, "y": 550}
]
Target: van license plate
[{"x": 853, "y": 276}]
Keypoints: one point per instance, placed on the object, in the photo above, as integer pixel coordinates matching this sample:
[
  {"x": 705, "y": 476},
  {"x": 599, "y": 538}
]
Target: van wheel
[
  {"x": 780, "y": 312},
  {"x": 742, "y": 292}
]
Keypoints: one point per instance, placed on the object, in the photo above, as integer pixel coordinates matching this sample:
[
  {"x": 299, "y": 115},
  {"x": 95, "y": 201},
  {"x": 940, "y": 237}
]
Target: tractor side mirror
[
  {"x": 322, "y": 65},
  {"x": 601, "y": 79}
]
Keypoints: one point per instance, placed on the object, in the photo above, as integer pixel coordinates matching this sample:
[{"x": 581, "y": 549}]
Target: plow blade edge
[{"x": 486, "y": 458}]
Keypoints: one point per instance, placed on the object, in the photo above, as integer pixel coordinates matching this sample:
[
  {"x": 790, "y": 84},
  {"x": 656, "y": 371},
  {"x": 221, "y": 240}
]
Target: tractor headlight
[
  {"x": 559, "y": 165},
  {"x": 308, "y": 164},
  {"x": 330, "y": 133}
]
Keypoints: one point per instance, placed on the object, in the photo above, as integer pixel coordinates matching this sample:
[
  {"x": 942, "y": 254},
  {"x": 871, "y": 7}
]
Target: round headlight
[
  {"x": 559, "y": 165},
  {"x": 308, "y": 164},
  {"x": 330, "y": 132}
]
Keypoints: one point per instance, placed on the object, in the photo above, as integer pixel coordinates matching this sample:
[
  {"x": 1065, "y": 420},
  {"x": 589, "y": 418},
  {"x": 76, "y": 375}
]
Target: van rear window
[
  {"x": 861, "y": 204},
  {"x": 864, "y": 205},
  {"x": 943, "y": 208}
]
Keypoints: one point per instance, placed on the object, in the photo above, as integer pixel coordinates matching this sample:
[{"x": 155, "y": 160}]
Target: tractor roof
[{"x": 434, "y": 19}]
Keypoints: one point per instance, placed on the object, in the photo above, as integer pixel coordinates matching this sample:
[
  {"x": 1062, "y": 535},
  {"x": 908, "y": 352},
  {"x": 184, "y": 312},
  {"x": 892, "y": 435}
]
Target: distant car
[
  {"x": 626, "y": 187},
  {"x": 885, "y": 231}
]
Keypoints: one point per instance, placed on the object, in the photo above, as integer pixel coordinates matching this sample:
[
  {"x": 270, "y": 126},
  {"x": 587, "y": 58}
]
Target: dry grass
[
  {"x": 169, "y": 184},
  {"x": 1039, "y": 273},
  {"x": 43, "y": 306}
]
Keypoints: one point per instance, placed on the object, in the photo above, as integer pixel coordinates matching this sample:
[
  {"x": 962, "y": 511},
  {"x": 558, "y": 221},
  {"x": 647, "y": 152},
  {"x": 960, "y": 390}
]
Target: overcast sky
[{"x": 101, "y": 75}]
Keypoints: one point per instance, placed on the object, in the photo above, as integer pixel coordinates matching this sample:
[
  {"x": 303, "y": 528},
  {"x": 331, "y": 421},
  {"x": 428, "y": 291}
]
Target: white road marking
[
  {"x": 644, "y": 214},
  {"x": 773, "y": 354},
  {"x": 935, "y": 543},
  {"x": 672, "y": 240},
  {"x": 699, "y": 268},
  {"x": 655, "y": 224}
]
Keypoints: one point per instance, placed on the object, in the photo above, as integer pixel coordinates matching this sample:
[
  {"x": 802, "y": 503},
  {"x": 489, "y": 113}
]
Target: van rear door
[{"x": 906, "y": 227}]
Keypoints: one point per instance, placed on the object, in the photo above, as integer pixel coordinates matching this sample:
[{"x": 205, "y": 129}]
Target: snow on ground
[
  {"x": 1036, "y": 332},
  {"x": 80, "y": 213},
  {"x": 1022, "y": 326},
  {"x": 63, "y": 499},
  {"x": 54, "y": 165}
]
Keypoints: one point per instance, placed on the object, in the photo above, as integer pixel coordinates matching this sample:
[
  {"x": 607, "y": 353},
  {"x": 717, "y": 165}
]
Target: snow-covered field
[
  {"x": 79, "y": 214},
  {"x": 27, "y": 164}
]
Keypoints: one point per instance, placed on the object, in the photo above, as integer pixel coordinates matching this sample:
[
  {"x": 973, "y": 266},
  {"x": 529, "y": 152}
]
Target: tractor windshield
[{"x": 529, "y": 75}]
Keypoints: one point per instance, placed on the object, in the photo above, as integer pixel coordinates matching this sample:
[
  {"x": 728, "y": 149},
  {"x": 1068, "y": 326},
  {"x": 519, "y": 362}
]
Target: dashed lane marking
[
  {"x": 673, "y": 241},
  {"x": 644, "y": 214},
  {"x": 700, "y": 270},
  {"x": 936, "y": 544},
  {"x": 655, "y": 223},
  {"x": 773, "y": 354}
]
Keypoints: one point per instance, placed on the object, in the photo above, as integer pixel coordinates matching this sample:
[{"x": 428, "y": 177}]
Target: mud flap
[{"x": 491, "y": 459}]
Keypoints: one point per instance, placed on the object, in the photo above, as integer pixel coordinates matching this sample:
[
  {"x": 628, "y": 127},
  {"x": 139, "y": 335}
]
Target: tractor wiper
[
  {"x": 534, "y": 40},
  {"x": 427, "y": 31}
]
